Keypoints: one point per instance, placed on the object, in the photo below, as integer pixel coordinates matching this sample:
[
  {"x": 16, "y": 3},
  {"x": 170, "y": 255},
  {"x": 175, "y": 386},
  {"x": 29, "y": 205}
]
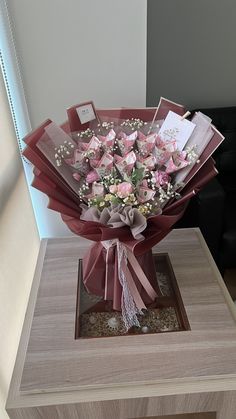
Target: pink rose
[
  {"x": 113, "y": 188},
  {"x": 124, "y": 189},
  {"x": 92, "y": 176},
  {"x": 162, "y": 178}
]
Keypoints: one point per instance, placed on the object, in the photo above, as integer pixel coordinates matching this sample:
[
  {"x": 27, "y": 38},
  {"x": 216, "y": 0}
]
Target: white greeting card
[
  {"x": 86, "y": 113},
  {"x": 176, "y": 128}
]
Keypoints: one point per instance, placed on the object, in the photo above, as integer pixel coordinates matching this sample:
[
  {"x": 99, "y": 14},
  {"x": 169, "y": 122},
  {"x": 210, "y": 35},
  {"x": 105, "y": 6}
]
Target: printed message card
[{"x": 176, "y": 128}]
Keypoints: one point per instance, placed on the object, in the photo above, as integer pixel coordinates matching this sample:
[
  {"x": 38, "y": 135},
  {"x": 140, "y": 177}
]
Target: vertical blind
[{"x": 10, "y": 162}]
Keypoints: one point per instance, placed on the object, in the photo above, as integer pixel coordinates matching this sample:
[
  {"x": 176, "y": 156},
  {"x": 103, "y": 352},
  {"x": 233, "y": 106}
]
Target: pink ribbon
[
  {"x": 132, "y": 303},
  {"x": 109, "y": 270}
]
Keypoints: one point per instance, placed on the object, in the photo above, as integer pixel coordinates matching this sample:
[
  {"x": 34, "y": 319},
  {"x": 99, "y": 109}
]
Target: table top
[{"x": 51, "y": 363}]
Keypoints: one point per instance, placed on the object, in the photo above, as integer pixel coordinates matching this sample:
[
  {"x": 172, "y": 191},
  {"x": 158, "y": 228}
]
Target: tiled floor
[{"x": 230, "y": 281}]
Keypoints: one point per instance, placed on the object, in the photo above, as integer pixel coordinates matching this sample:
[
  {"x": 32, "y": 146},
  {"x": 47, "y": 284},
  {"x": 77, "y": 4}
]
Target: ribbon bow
[{"x": 131, "y": 301}]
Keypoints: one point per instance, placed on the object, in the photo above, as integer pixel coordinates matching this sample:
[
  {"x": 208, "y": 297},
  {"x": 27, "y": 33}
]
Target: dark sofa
[{"x": 214, "y": 208}]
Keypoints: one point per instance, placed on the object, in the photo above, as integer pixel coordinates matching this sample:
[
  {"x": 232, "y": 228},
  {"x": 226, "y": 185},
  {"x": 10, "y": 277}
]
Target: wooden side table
[{"x": 190, "y": 373}]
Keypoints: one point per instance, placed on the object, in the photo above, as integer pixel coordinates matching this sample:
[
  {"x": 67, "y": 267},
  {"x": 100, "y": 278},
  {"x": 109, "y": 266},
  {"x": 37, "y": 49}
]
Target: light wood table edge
[
  {"x": 172, "y": 387},
  {"x": 218, "y": 276},
  {"x": 25, "y": 334},
  {"x": 169, "y": 387}
]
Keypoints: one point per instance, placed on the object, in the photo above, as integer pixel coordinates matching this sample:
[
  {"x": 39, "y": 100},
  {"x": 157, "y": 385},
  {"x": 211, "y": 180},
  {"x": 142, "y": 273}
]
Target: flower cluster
[{"x": 127, "y": 166}]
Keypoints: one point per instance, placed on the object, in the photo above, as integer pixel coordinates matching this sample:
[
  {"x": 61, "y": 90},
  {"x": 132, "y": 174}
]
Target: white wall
[
  {"x": 71, "y": 51},
  {"x": 19, "y": 243}
]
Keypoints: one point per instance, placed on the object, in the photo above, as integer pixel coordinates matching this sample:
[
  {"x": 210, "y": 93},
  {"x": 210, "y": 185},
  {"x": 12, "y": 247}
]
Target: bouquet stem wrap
[{"x": 111, "y": 270}]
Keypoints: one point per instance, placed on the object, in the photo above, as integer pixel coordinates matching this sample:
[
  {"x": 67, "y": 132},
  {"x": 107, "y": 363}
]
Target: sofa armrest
[
  {"x": 210, "y": 204},
  {"x": 212, "y": 190},
  {"x": 205, "y": 211}
]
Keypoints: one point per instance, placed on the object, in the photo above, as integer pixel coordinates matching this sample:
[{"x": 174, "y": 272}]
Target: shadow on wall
[{"x": 9, "y": 177}]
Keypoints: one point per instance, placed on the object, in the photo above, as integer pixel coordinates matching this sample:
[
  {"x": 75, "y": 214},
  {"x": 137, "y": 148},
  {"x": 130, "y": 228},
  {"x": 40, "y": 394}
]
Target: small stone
[
  {"x": 113, "y": 323},
  {"x": 92, "y": 320},
  {"x": 164, "y": 329}
]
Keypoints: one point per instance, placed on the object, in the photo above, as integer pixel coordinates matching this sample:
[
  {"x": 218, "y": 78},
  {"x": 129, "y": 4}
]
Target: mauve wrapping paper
[
  {"x": 94, "y": 262},
  {"x": 63, "y": 200},
  {"x": 95, "y": 267}
]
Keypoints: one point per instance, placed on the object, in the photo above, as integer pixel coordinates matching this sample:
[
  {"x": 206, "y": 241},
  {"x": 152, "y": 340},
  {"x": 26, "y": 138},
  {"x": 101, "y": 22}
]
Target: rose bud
[
  {"x": 162, "y": 178},
  {"x": 92, "y": 176},
  {"x": 124, "y": 189},
  {"x": 113, "y": 188}
]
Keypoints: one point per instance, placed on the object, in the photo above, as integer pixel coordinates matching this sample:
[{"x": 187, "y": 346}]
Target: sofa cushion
[
  {"x": 223, "y": 118},
  {"x": 226, "y": 166},
  {"x": 227, "y": 257},
  {"x": 226, "y": 161}
]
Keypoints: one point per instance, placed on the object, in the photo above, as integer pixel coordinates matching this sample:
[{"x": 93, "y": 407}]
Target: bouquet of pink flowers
[{"x": 122, "y": 178}]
